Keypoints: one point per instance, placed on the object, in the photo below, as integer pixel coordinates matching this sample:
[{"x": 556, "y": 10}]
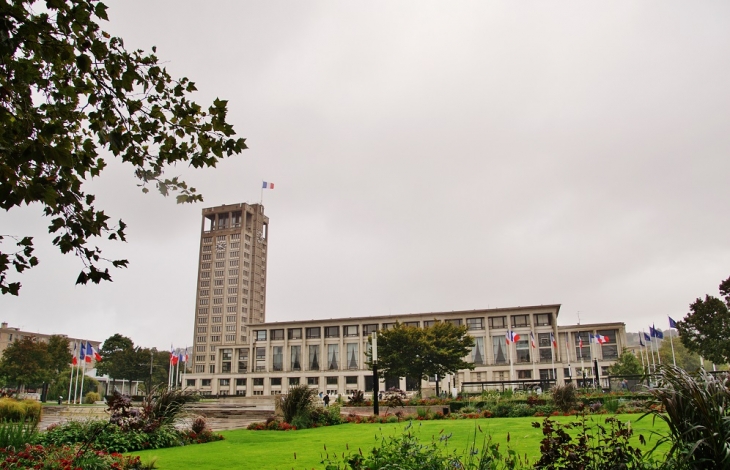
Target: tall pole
[
  {"x": 376, "y": 382},
  {"x": 83, "y": 375},
  {"x": 674, "y": 359},
  {"x": 511, "y": 363},
  {"x": 71, "y": 379}
]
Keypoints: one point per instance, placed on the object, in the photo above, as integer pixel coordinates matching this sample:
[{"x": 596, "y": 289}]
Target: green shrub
[
  {"x": 520, "y": 410},
  {"x": 17, "y": 434},
  {"x": 302, "y": 421},
  {"x": 564, "y": 396},
  {"x": 697, "y": 412},
  {"x": 299, "y": 401},
  {"x": 91, "y": 398},
  {"x": 501, "y": 410},
  {"x": 19, "y": 410},
  {"x": 611, "y": 405}
]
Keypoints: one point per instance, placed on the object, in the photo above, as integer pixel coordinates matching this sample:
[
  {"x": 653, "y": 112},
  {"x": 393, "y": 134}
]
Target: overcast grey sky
[{"x": 428, "y": 156}]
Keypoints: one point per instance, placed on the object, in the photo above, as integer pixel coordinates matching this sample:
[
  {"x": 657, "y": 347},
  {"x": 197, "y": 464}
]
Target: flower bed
[{"x": 64, "y": 458}]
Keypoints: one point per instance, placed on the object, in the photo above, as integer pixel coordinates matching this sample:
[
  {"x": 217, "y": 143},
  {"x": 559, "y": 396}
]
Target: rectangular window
[
  {"x": 202, "y": 320},
  {"x": 542, "y": 319},
  {"x": 499, "y": 347},
  {"x": 215, "y": 329},
  {"x": 455, "y": 321},
  {"x": 296, "y": 357},
  {"x": 230, "y": 338},
  {"x": 260, "y": 335},
  {"x": 351, "y": 380},
  {"x": 211, "y": 369},
  {"x": 240, "y": 382},
  {"x": 333, "y": 356},
  {"x": 524, "y": 374},
  {"x": 217, "y": 310},
  {"x": 219, "y": 273},
  {"x": 519, "y": 321},
  {"x": 201, "y": 339},
  {"x": 314, "y": 357},
  {"x": 312, "y": 380},
  {"x": 258, "y": 382},
  {"x": 220, "y": 264},
  {"x": 293, "y": 381},
  {"x": 260, "y": 359},
  {"x": 523, "y": 350},
  {"x": 215, "y": 338},
  {"x": 609, "y": 348},
  {"x": 224, "y": 382},
  {"x": 231, "y": 318},
  {"x": 477, "y": 352},
  {"x": 475, "y": 323},
  {"x": 428, "y": 323},
  {"x": 276, "y": 334},
  {"x": 205, "y": 382},
  {"x": 313, "y": 332},
  {"x": 583, "y": 352},
  {"x": 206, "y": 257},
  {"x": 202, "y": 329},
  {"x": 217, "y": 301},
  {"x": 242, "y": 360},
  {"x": 216, "y": 319},
  {"x": 276, "y": 381},
  {"x": 277, "y": 358},
  {"x": 295, "y": 333},
  {"x": 350, "y": 330},
  {"x": 352, "y": 356},
  {"x": 331, "y": 380},
  {"x": 331, "y": 331},
  {"x": 369, "y": 329},
  {"x": 190, "y": 382},
  {"x": 387, "y": 326},
  {"x": 545, "y": 347}
]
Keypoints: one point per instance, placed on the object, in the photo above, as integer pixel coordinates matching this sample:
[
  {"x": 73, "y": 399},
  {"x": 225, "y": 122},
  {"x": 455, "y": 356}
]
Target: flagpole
[
  {"x": 83, "y": 375},
  {"x": 511, "y": 363},
  {"x": 641, "y": 353},
  {"x": 71, "y": 379},
  {"x": 534, "y": 365},
  {"x": 76, "y": 385},
  {"x": 567, "y": 353},
  {"x": 674, "y": 359},
  {"x": 177, "y": 369},
  {"x": 552, "y": 361},
  {"x": 582, "y": 367}
]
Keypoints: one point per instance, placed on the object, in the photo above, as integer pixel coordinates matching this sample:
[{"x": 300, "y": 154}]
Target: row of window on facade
[
  {"x": 225, "y": 220},
  {"x": 518, "y": 321}
]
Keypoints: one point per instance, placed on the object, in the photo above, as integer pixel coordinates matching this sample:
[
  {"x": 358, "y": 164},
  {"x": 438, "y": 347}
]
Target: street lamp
[{"x": 376, "y": 384}]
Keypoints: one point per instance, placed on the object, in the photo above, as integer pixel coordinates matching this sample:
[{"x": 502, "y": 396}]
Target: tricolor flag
[
  {"x": 672, "y": 323},
  {"x": 82, "y": 352},
  {"x": 580, "y": 342},
  {"x": 512, "y": 337},
  {"x": 74, "y": 359},
  {"x": 97, "y": 356},
  {"x": 173, "y": 356},
  {"x": 591, "y": 338},
  {"x": 180, "y": 358},
  {"x": 532, "y": 340},
  {"x": 601, "y": 339},
  {"x": 89, "y": 352},
  {"x": 552, "y": 340},
  {"x": 267, "y": 185}
]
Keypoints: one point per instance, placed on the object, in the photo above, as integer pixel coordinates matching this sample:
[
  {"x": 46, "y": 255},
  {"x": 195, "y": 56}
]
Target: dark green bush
[
  {"x": 521, "y": 410},
  {"x": 564, "y": 396},
  {"x": 501, "y": 410},
  {"x": 299, "y": 401}
]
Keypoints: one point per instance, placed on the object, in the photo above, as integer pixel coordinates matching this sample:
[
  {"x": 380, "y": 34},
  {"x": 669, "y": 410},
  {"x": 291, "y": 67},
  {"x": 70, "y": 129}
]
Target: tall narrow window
[
  {"x": 277, "y": 358},
  {"x": 499, "y": 346},
  {"x": 523, "y": 350},
  {"x": 314, "y": 357},
  {"x": 296, "y": 357},
  {"x": 477, "y": 353},
  {"x": 351, "y": 356},
  {"x": 333, "y": 356}
]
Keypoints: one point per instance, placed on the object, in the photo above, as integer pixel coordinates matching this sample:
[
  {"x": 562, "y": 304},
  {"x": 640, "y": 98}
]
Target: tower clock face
[{"x": 220, "y": 246}]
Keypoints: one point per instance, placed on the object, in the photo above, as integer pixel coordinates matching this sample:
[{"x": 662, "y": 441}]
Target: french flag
[
  {"x": 267, "y": 185},
  {"x": 89, "y": 352},
  {"x": 74, "y": 359},
  {"x": 512, "y": 337},
  {"x": 601, "y": 339},
  {"x": 532, "y": 340},
  {"x": 552, "y": 340},
  {"x": 97, "y": 356}
]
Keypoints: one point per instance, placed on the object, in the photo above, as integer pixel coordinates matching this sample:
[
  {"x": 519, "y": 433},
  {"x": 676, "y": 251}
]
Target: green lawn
[{"x": 303, "y": 449}]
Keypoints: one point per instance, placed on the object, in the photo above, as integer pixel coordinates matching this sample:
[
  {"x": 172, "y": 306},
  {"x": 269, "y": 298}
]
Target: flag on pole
[
  {"x": 601, "y": 339},
  {"x": 82, "y": 352},
  {"x": 580, "y": 343},
  {"x": 552, "y": 340},
  {"x": 89, "y": 352},
  {"x": 532, "y": 340},
  {"x": 641, "y": 343},
  {"x": 672, "y": 323},
  {"x": 267, "y": 185},
  {"x": 591, "y": 338},
  {"x": 97, "y": 356},
  {"x": 74, "y": 359},
  {"x": 512, "y": 337},
  {"x": 647, "y": 337},
  {"x": 655, "y": 333},
  {"x": 180, "y": 357}
]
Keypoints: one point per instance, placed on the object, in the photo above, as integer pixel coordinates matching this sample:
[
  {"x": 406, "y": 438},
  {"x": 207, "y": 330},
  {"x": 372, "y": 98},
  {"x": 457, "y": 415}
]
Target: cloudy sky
[{"x": 427, "y": 156}]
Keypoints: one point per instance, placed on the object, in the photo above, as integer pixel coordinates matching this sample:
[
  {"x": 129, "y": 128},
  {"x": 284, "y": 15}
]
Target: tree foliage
[
  {"x": 706, "y": 329},
  {"x": 626, "y": 364},
  {"x": 686, "y": 359},
  {"x": 26, "y": 362},
  {"x": 69, "y": 94},
  {"x": 407, "y": 351},
  {"x": 124, "y": 360}
]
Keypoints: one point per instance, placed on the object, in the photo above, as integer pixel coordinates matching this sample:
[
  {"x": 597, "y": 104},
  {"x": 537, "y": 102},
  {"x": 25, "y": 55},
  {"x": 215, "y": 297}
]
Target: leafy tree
[
  {"x": 59, "y": 355},
  {"x": 407, "y": 351},
  {"x": 70, "y": 93},
  {"x": 124, "y": 360},
  {"x": 26, "y": 362},
  {"x": 59, "y": 385},
  {"x": 706, "y": 329},
  {"x": 686, "y": 359},
  {"x": 626, "y": 364}
]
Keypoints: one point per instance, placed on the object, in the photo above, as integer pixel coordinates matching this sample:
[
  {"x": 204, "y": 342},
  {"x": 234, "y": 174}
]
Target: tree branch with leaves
[{"x": 71, "y": 96}]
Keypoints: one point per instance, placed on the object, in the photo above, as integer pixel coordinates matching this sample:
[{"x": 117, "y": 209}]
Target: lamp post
[{"x": 376, "y": 384}]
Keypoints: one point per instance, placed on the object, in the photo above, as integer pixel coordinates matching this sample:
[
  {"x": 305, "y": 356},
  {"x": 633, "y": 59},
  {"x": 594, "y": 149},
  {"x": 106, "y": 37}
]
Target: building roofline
[{"x": 556, "y": 307}]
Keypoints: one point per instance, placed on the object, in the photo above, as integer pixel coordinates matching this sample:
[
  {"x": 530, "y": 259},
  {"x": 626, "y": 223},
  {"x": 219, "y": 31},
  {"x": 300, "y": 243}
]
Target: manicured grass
[{"x": 305, "y": 448}]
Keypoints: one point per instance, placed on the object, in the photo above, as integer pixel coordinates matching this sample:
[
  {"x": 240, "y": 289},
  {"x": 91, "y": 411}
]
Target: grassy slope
[{"x": 276, "y": 449}]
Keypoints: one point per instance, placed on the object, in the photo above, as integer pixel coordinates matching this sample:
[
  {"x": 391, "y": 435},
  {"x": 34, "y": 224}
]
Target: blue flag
[
  {"x": 657, "y": 333},
  {"x": 641, "y": 343},
  {"x": 672, "y": 323},
  {"x": 647, "y": 337}
]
